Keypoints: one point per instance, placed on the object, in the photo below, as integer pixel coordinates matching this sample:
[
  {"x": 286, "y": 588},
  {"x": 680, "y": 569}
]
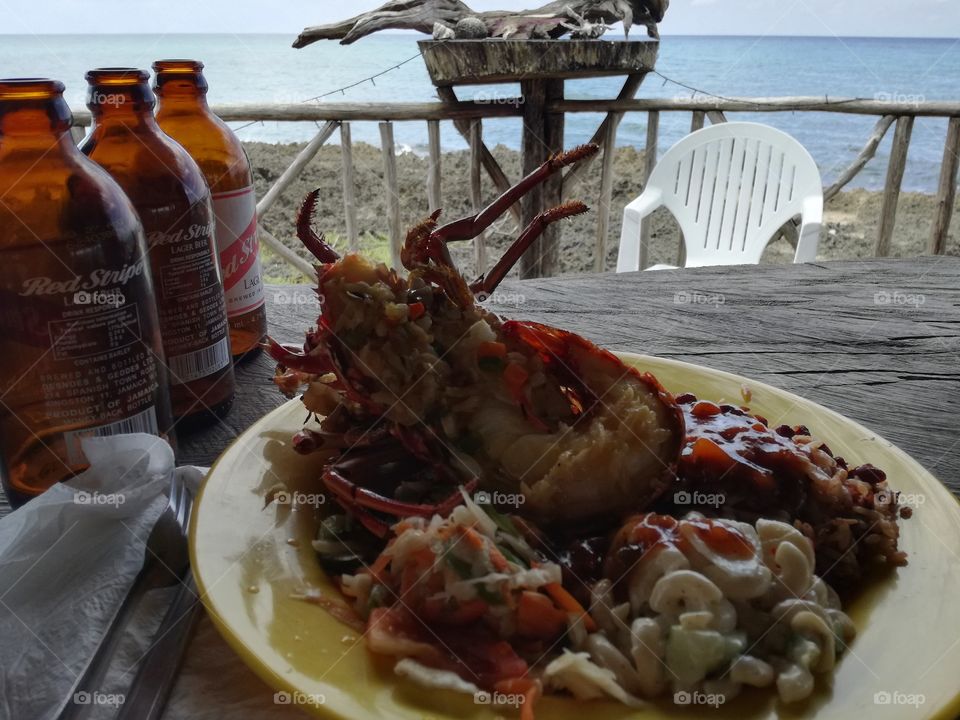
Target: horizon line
[{"x": 408, "y": 33}]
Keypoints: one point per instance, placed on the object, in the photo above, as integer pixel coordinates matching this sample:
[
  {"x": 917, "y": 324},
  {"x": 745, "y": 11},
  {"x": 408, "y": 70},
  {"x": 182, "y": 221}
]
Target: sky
[{"x": 881, "y": 18}]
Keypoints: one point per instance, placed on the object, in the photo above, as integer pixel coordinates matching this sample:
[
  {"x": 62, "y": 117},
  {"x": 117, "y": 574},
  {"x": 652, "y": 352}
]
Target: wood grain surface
[{"x": 876, "y": 340}]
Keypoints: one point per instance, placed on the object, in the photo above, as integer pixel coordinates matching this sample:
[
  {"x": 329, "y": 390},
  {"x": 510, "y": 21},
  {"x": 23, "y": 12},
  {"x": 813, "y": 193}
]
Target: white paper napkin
[{"x": 67, "y": 559}]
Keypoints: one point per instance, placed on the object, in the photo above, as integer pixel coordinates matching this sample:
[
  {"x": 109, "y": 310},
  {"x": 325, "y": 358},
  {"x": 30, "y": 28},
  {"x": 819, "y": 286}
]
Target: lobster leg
[
  {"x": 483, "y": 286},
  {"x": 316, "y": 244},
  {"x": 469, "y": 227},
  {"x": 295, "y": 359},
  {"x": 361, "y": 501}
]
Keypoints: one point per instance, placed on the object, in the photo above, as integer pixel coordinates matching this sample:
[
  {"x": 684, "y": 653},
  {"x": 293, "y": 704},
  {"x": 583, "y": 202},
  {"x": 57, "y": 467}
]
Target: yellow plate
[{"x": 249, "y": 560}]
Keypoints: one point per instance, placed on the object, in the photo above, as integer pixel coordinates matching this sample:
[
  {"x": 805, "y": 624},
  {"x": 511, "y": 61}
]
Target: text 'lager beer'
[
  {"x": 184, "y": 115},
  {"x": 80, "y": 348},
  {"x": 171, "y": 197}
]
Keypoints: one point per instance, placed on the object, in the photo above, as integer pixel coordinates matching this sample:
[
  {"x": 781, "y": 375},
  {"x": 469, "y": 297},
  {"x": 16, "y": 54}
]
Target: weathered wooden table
[{"x": 877, "y": 340}]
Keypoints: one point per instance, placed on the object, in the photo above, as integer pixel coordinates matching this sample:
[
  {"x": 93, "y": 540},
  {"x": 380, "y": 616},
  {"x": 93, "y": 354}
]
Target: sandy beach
[{"x": 849, "y": 231}]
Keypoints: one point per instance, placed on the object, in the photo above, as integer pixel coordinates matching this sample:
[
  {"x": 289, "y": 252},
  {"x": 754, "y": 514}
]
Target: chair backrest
[{"x": 731, "y": 186}]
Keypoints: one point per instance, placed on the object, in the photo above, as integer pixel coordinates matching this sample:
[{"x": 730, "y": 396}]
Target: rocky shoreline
[{"x": 849, "y": 231}]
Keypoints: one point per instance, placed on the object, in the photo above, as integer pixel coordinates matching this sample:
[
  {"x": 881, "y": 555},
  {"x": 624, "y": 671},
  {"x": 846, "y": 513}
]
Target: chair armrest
[
  {"x": 629, "y": 255},
  {"x": 650, "y": 200},
  {"x": 809, "y": 239}
]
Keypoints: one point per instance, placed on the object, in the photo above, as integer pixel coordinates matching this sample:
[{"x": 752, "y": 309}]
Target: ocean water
[{"x": 264, "y": 68}]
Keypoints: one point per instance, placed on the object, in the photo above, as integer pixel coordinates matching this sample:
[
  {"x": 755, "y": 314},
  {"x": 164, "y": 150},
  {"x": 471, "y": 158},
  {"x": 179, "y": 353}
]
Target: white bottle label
[
  {"x": 142, "y": 422},
  {"x": 239, "y": 248}
]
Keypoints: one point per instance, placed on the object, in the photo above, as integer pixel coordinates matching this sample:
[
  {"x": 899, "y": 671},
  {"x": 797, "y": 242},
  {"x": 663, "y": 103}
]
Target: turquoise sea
[{"x": 264, "y": 68}]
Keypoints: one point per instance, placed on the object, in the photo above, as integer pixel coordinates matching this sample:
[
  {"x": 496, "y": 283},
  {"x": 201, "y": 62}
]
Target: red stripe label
[{"x": 239, "y": 258}]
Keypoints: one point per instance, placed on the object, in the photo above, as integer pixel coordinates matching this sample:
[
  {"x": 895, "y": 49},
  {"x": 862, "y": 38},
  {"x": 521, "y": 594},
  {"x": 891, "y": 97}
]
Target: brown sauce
[
  {"x": 648, "y": 533},
  {"x": 727, "y": 445}
]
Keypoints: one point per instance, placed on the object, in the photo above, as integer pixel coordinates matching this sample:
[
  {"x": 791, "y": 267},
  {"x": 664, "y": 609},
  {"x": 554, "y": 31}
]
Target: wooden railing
[{"x": 468, "y": 117}]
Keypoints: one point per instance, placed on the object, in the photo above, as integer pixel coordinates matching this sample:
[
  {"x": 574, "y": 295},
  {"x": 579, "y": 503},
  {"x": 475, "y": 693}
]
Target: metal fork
[
  {"x": 158, "y": 669},
  {"x": 166, "y": 558}
]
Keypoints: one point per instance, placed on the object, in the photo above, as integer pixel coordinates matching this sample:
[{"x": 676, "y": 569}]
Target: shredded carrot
[
  {"x": 476, "y": 541},
  {"x": 566, "y": 601},
  {"x": 416, "y": 310},
  {"x": 473, "y": 538},
  {"x": 500, "y": 563},
  {"x": 529, "y": 689},
  {"x": 379, "y": 566},
  {"x": 491, "y": 350}
]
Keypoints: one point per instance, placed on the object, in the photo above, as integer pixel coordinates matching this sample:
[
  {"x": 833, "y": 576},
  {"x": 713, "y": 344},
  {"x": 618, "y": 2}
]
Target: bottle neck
[
  {"x": 33, "y": 114},
  {"x": 181, "y": 87},
  {"x": 121, "y": 98}
]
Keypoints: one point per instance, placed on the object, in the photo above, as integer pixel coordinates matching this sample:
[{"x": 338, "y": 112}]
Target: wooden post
[
  {"x": 606, "y": 191},
  {"x": 393, "y": 191},
  {"x": 697, "y": 121},
  {"x": 434, "y": 193},
  {"x": 650, "y": 162},
  {"x": 542, "y": 137},
  {"x": 553, "y": 187},
  {"x": 716, "y": 117},
  {"x": 947, "y": 193},
  {"x": 296, "y": 167},
  {"x": 476, "y": 192},
  {"x": 534, "y": 152},
  {"x": 891, "y": 192},
  {"x": 349, "y": 187}
]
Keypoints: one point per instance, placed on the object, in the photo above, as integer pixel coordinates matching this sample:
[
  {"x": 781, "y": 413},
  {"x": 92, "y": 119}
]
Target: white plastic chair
[{"x": 730, "y": 186}]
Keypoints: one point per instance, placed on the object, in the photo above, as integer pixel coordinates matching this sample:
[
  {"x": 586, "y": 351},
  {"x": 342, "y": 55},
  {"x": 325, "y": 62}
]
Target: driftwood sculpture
[{"x": 454, "y": 19}]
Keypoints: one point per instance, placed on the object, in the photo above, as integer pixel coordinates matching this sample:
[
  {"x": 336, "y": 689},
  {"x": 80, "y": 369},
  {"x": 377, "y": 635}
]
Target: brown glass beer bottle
[
  {"x": 171, "y": 196},
  {"x": 184, "y": 115},
  {"x": 80, "y": 348}
]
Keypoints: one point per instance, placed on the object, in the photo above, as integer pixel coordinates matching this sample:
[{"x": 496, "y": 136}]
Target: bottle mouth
[
  {"x": 117, "y": 76},
  {"x": 178, "y": 66},
  {"x": 29, "y": 88}
]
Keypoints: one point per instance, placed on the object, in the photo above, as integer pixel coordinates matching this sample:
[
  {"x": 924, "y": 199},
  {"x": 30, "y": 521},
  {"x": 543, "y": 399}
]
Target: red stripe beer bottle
[
  {"x": 184, "y": 115},
  {"x": 80, "y": 348},
  {"x": 171, "y": 196}
]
